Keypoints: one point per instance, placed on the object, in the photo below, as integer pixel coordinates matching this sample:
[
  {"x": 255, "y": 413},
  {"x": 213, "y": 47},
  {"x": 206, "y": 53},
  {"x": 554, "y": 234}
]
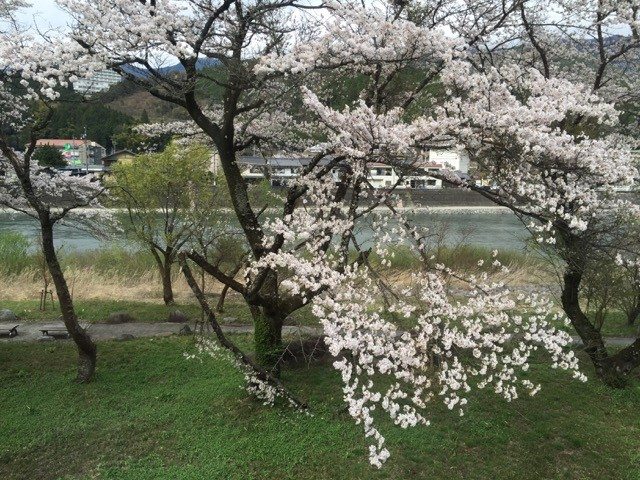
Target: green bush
[
  {"x": 14, "y": 253},
  {"x": 111, "y": 260},
  {"x": 461, "y": 258}
]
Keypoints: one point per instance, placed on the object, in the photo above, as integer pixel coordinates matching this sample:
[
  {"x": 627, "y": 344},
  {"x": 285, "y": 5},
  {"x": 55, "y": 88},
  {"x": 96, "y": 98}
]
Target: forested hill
[
  {"x": 135, "y": 102},
  {"x": 73, "y": 115},
  {"x": 109, "y": 117}
]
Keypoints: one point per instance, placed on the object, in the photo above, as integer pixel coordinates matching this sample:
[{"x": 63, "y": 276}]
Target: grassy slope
[
  {"x": 153, "y": 415},
  {"x": 616, "y": 325}
]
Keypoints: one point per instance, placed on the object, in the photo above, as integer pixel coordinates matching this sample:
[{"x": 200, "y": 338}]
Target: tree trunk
[
  {"x": 606, "y": 369},
  {"x": 627, "y": 359},
  {"x": 267, "y": 338},
  {"x": 633, "y": 314},
  {"x": 87, "y": 351},
  {"x": 167, "y": 284},
  {"x": 223, "y": 295},
  {"x": 164, "y": 268}
]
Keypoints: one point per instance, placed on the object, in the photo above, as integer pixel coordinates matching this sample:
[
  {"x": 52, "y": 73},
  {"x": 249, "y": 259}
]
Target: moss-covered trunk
[{"x": 267, "y": 338}]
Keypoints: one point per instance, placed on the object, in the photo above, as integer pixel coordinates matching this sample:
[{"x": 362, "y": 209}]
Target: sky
[{"x": 44, "y": 13}]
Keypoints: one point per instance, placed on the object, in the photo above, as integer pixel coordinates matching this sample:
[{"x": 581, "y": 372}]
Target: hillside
[
  {"x": 136, "y": 103},
  {"x": 131, "y": 100}
]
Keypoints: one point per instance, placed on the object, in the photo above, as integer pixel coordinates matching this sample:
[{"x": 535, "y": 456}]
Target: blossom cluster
[
  {"x": 254, "y": 384},
  {"x": 452, "y": 348}
]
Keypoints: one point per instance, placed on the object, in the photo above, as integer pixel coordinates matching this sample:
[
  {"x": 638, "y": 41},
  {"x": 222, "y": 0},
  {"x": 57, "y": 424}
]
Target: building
[
  {"x": 381, "y": 175},
  {"x": 121, "y": 156},
  {"x": 98, "y": 82},
  {"x": 278, "y": 170},
  {"x": 455, "y": 160},
  {"x": 77, "y": 153},
  {"x": 422, "y": 178}
]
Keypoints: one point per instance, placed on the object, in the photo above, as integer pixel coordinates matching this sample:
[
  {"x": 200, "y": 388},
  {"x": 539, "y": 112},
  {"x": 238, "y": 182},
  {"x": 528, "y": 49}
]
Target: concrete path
[
  {"x": 30, "y": 332},
  {"x": 614, "y": 341}
]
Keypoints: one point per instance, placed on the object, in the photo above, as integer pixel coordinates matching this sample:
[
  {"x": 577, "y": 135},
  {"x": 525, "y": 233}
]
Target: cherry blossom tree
[
  {"x": 417, "y": 62},
  {"x": 565, "y": 75},
  {"x": 135, "y": 38},
  {"x": 535, "y": 94},
  {"x": 559, "y": 180},
  {"x": 43, "y": 193}
]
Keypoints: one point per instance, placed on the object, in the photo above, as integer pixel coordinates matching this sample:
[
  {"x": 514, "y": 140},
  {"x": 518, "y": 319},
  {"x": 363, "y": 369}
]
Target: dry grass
[
  {"x": 98, "y": 283},
  {"x": 92, "y": 284}
]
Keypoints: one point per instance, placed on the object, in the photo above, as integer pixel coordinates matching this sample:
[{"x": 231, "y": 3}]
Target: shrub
[{"x": 14, "y": 253}]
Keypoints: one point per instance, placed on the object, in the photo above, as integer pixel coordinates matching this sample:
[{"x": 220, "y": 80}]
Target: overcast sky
[{"x": 44, "y": 13}]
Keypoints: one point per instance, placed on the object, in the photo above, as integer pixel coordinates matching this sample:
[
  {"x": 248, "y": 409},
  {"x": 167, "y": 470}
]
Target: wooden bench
[
  {"x": 9, "y": 329},
  {"x": 57, "y": 330}
]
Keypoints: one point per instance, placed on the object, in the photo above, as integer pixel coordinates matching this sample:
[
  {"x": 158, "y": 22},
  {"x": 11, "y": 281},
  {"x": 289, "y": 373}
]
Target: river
[{"x": 486, "y": 227}]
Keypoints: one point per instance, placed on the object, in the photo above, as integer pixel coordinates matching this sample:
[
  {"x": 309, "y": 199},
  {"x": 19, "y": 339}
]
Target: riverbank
[{"x": 119, "y": 273}]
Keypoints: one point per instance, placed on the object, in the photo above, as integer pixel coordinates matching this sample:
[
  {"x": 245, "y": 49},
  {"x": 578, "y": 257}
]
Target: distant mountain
[{"x": 201, "y": 64}]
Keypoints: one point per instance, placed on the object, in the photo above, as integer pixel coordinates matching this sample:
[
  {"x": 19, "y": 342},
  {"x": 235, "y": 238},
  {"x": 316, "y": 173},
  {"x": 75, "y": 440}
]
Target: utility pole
[{"x": 86, "y": 149}]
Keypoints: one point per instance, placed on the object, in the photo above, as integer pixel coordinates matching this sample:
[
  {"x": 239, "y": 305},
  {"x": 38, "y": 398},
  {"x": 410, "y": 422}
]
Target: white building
[
  {"x": 455, "y": 160},
  {"x": 280, "y": 169},
  {"x": 99, "y": 82},
  {"x": 277, "y": 169},
  {"x": 384, "y": 176},
  {"x": 77, "y": 153}
]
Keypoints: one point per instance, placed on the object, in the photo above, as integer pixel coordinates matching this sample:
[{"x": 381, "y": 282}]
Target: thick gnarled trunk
[
  {"x": 607, "y": 367},
  {"x": 87, "y": 351}
]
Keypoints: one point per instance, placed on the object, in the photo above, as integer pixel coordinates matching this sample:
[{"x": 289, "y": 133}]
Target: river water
[{"x": 486, "y": 227}]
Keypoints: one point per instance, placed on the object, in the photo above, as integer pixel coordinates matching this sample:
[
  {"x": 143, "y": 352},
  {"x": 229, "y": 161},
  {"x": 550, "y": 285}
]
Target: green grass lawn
[
  {"x": 616, "y": 325},
  {"x": 98, "y": 310},
  {"x": 151, "y": 414}
]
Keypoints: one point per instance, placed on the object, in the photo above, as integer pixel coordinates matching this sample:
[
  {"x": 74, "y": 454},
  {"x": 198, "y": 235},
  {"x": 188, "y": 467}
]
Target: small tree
[
  {"x": 160, "y": 193},
  {"x": 48, "y": 156},
  {"x": 608, "y": 285},
  {"x": 27, "y": 97}
]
